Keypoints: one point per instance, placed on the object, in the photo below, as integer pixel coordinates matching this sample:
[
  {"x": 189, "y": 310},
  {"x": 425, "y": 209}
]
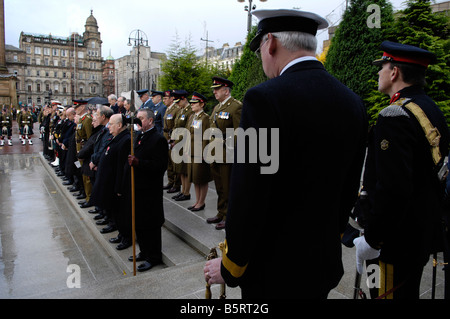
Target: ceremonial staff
[{"x": 133, "y": 219}]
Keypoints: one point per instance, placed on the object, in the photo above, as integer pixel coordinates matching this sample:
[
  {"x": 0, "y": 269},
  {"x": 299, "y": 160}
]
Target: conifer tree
[
  {"x": 356, "y": 44},
  {"x": 183, "y": 70},
  {"x": 248, "y": 71}
]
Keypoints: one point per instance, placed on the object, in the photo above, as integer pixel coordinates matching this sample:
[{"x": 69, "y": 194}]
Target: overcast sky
[{"x": 225, "y": 21}]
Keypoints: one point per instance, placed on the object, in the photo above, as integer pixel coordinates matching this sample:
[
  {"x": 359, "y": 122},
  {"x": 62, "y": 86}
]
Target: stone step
[{"x": 192, "y": 226}]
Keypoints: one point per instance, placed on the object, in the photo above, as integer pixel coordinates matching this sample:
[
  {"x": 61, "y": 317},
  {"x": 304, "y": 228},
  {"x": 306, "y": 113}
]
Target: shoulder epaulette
[{"x": 395, "y": 109}]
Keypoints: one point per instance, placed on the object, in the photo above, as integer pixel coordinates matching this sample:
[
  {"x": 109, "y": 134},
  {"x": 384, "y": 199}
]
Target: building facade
[
  {"x": 109, "y": 77},
  {"x": 224, "y": 57},
  {"x": 149, "y": 70},
  {"x": 59, "y": 68}
]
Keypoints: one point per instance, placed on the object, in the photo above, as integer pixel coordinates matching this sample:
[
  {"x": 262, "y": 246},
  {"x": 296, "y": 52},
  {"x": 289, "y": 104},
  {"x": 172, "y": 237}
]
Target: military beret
[
  {"x": 168, "y": 93},
  {"x": 219, "y": 82},
  {"x": 404, "y": 53},
  {"x": 198, "y": 97},
  {"x": 279, "y": 20}
]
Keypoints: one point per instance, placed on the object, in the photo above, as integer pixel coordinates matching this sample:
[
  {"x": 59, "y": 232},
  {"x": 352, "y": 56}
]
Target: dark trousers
[{"x": 150, "y": 244}]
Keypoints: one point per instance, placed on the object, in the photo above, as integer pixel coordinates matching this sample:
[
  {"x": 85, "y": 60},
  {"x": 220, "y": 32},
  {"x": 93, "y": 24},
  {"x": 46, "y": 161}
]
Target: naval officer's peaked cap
[{"x": 278, "y": 20}]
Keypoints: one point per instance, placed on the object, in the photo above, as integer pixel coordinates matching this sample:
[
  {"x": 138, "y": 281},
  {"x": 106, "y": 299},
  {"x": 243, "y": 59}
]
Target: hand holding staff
[{"x": 212, "y": 273}]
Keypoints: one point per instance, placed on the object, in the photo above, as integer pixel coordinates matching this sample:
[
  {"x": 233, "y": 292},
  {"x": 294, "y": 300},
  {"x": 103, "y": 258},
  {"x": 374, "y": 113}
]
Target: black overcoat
[
  {"x": 110, "y": 171},
  {"x": 283, "y": 228},
  {"x": 151, "y": 150}
]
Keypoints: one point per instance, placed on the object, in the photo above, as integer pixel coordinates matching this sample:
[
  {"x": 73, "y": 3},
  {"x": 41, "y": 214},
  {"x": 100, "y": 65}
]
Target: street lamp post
[
  {"x": 140, "y": 39},
  {"x": 249, "y": 9}
]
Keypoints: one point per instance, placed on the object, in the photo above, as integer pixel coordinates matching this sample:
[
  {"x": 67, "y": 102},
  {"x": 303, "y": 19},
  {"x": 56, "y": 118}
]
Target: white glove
[{"x": 363, "y": 252}]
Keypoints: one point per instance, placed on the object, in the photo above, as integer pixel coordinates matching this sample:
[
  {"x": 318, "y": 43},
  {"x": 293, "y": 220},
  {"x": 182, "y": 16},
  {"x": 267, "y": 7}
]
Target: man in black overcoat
[
  {"x": 283, "y": 231},
  {"x": 150, "y": 163},
  {"x": 107, "y": 191}
]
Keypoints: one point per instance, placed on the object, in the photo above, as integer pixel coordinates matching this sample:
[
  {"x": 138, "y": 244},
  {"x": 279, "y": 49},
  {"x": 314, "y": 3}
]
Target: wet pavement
[{"x": 40, "y": 234}]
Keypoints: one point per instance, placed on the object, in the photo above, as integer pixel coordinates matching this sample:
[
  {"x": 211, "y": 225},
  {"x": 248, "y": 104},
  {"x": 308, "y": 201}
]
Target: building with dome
[{"x": 63, "y": 68}]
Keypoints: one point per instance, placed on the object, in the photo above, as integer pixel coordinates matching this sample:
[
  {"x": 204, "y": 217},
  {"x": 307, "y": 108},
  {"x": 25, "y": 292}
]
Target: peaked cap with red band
[
  {"x": 198, "y": 97},
  {"x": 404, "y": 53}
]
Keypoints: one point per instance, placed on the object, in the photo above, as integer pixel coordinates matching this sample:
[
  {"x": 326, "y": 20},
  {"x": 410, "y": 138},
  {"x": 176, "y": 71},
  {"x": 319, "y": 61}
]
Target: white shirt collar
[{"x": 303, "y": 58}]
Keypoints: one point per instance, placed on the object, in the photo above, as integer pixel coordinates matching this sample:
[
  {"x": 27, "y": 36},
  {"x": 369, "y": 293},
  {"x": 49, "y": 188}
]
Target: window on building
[
  {"x": 38, "y": 87},
  {"x": 46, "y": 51},
  {"x": 55, "y": 52},
  {"x": 81, "y": 55},
  {"x": 81, "y": 89},
  {"x": 28, "y": 50},
  {"x": 37, "y": 50},
  {"x": 38, "y": 61}
]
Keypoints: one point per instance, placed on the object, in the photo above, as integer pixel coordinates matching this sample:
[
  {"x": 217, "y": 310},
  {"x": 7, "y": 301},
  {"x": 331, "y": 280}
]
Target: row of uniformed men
[
  {"x": 184, "y": 113},
  {"x": 24, "y": 119}
]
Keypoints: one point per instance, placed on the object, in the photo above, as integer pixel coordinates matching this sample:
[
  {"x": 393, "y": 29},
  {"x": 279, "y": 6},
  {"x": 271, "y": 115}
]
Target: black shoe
[
  {"x": 116, "y": 240},
  {"x": 101, "y": 222},
  {"x": 66, "y": 183},
  {"x": 81, "y": 196},
  {"x": 168, "y": 186},
  {"x": 99, "y": 216},
  {"x": 86, "y": 205},
  {"x": 177, "y": 195},
  {"x": 124, "y": 244},
  {"x": 144, "y": 266},
  {"x": 94, "y": 211},
  {"x": 73, "y": 189},
  {"x": 108, "y": 229},
  {"x": 183, "y": 197},
  {"x": 194, "y": 209},
  {"x": 81, "y": 202},
  {"x": 139, "y": 257}
]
